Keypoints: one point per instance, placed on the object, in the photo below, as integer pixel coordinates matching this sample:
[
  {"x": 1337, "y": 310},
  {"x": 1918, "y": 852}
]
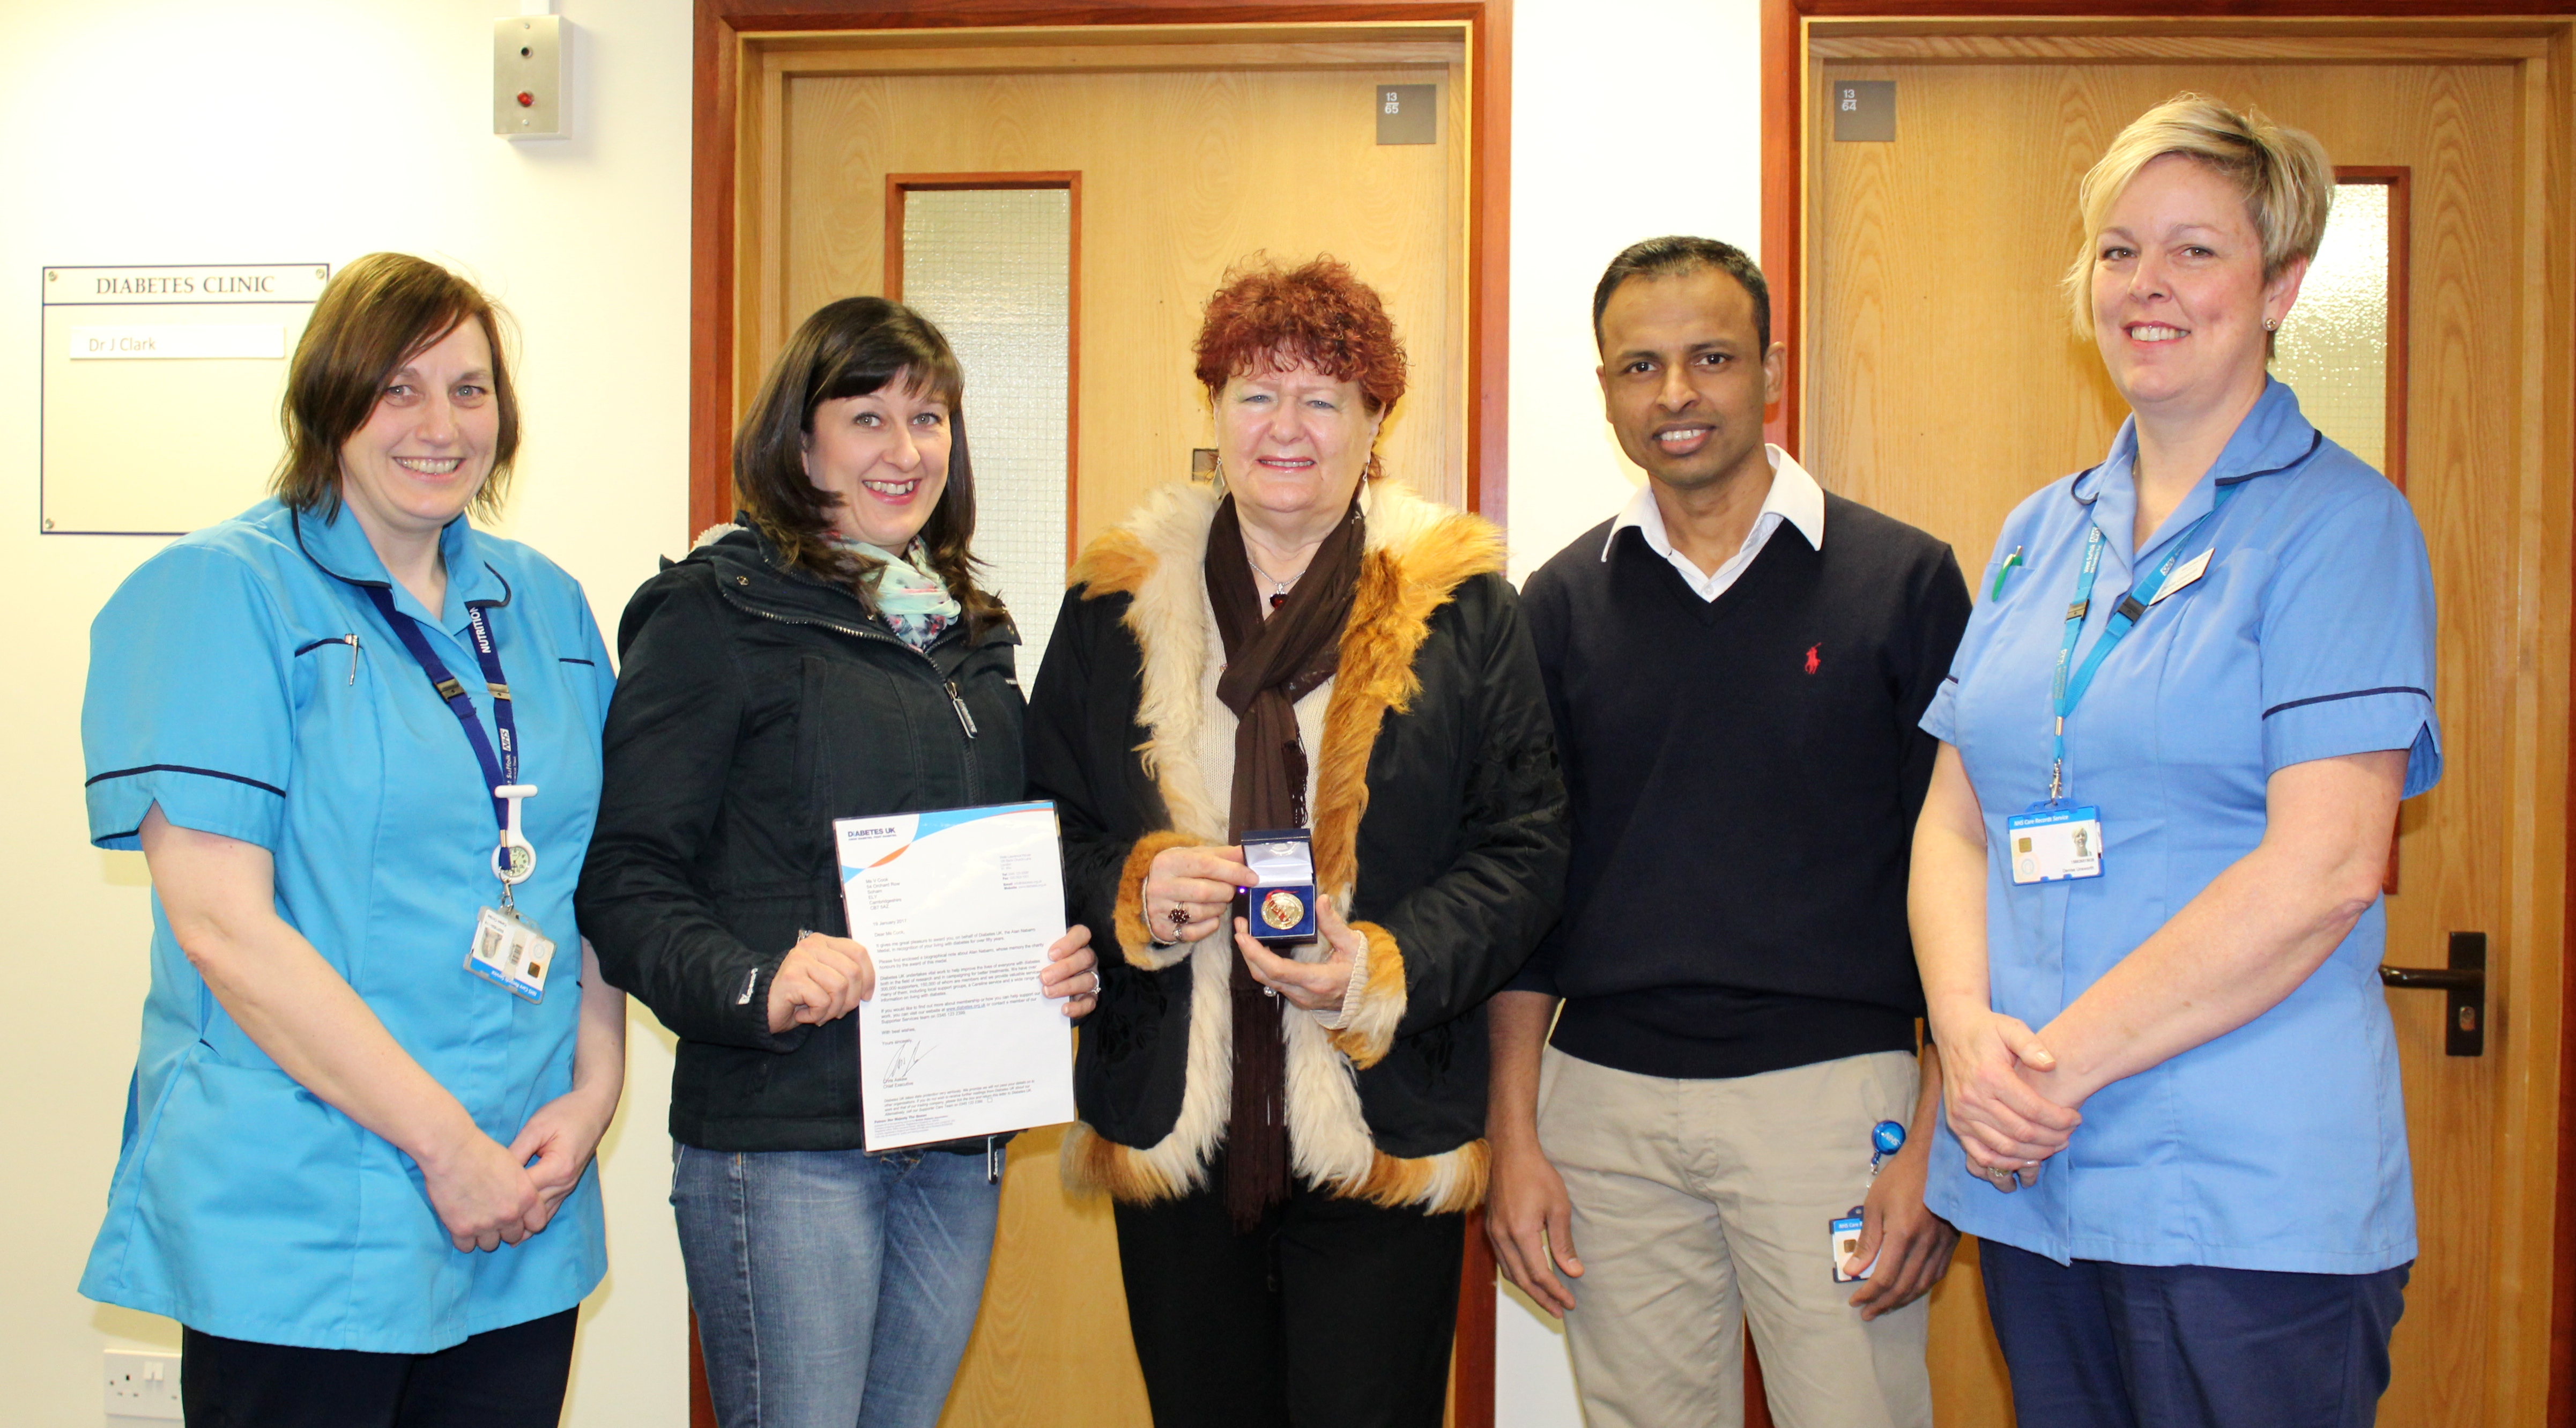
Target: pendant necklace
[{"x": 1279, "y": 587}]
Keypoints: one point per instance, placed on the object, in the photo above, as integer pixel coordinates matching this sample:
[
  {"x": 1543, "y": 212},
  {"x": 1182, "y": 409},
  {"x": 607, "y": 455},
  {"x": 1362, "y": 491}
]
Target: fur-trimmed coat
[{"x": 1439, "y": 828}]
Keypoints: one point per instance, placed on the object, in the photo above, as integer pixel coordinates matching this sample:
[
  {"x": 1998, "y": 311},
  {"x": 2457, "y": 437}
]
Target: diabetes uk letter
[{"x": 957, "y": 908}]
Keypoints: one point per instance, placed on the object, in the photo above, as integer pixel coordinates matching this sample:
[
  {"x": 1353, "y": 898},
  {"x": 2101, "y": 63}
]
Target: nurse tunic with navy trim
[
  {"x": 243, "y": 680},
  {"x": 2280, "y": 1145}
]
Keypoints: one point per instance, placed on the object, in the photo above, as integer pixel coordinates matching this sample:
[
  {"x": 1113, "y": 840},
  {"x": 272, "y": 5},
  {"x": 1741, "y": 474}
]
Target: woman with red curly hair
[{"x": 1293, "y": 1130}]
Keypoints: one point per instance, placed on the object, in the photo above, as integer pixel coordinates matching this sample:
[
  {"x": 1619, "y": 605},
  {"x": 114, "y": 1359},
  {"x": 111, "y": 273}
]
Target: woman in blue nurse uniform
[
  {"x": 2191, "y": 1180},
  {"x": 356, "y": 1164}
]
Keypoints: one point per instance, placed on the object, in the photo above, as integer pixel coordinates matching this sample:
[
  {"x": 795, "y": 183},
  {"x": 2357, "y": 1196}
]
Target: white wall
[
  {"x": 1628, "y": 121},
  {"x": 157, "y": 131},
  {"x": 161, "y": 131}
]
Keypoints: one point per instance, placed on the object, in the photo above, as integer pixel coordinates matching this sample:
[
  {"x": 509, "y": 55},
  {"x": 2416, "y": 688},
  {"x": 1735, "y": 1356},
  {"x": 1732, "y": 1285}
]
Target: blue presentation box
[{"x": 1280, "y": 905}]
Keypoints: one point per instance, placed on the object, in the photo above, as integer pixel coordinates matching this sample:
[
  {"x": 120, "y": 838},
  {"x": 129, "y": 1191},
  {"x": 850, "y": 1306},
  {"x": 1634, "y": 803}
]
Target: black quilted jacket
[{"x": 754, "y": 705}]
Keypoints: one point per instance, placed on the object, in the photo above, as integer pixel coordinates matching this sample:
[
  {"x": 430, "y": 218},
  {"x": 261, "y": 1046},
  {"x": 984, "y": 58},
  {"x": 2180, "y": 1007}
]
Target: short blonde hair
[{"x": 2285, "y": 175}]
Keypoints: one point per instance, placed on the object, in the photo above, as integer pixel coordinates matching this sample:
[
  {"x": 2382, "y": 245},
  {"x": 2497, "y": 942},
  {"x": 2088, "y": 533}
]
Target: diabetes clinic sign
[
  {"x": 203, "y": 348},
  {"x": 132, "y": 287},
  {"x": 231, "y": 283}
]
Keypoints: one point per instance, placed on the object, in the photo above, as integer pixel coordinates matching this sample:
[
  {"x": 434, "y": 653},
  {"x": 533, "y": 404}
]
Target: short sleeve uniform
[
  {"x": 2281, "y": 1145},
  {"x": 244, "y": 681}
]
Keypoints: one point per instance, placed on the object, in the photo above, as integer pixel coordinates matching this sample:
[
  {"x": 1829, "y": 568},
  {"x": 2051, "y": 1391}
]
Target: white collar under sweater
[{"x": 1794, "y": 497}]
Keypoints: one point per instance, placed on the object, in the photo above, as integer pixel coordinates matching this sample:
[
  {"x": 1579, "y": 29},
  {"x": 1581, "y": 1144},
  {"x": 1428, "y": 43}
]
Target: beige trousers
[{"x": 1698, "y": 1204}]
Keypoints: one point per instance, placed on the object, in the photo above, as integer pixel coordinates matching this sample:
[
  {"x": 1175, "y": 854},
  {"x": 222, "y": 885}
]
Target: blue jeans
[{"x": 833, "y": 1287}]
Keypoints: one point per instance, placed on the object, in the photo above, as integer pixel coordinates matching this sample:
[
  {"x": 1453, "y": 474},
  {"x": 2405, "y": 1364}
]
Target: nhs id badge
[
  {"x": 2049, "y": 844},
  {"x": 509, "y": 951},
  {"x": 1846, "y": 1243}
]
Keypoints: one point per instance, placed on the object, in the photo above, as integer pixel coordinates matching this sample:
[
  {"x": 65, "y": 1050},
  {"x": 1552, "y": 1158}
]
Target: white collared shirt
[{"x": 1794, "y": 497}]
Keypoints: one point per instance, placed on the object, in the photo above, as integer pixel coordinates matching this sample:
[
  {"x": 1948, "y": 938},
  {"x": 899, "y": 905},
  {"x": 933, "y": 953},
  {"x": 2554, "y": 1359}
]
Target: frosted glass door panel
[
  {"x": 993, "y": 268},
  {"x": 2333, "y": 350}
]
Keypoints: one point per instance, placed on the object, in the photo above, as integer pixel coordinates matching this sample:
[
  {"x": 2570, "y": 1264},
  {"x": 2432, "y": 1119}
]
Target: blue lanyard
[
  {"x": 499, "y": 771},
  {"x": 2065, "y": 694}
]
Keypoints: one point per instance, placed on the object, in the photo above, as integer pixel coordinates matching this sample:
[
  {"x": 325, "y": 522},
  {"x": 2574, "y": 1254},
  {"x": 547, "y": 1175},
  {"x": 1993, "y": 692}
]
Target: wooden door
[
  {"x": 1946, "y": 385},
  {"x": 1191, "y": 158}
]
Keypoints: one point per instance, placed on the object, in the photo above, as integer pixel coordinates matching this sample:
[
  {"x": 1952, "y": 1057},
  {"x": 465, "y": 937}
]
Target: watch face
[{"x": 1282, "y": 909}]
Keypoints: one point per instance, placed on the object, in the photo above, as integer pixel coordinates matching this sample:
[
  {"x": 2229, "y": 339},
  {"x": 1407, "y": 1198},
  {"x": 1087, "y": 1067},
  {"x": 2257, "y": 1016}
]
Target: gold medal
[{"x": 1282, "y": 909}]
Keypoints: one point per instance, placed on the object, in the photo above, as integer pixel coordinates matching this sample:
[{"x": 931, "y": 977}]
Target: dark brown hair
[
  {"x": 848, "y": 349},
  {"x": 376, "y": 314},
  {"x": 1317, "y": 312}
]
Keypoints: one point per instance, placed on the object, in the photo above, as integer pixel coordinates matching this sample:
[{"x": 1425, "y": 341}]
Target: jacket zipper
[
  {"x": 956, "y": 701},
  {"x": 851, "y": 630}
]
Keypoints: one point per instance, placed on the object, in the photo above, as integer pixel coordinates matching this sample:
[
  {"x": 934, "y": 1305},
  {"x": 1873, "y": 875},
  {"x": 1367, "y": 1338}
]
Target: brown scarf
[{"x": 1269, "y": 665}]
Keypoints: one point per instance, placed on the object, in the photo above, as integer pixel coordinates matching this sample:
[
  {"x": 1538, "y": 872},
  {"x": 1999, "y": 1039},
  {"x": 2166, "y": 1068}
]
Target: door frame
[
  {"x": 724, "y": 27},
  {"x": 721, "y": 29},
  {"x": 1789, "y": 153}
]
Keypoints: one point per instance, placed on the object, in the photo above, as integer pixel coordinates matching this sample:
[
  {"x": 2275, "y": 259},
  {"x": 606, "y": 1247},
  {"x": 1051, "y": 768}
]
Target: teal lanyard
[{"x": 2065, "y": 694}]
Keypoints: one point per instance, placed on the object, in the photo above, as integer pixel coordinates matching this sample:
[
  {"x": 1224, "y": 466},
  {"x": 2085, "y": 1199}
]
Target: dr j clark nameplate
[
  {"x": 134, "y": 354},
  {"x": 1408, "y": 113},
  {"x": 1864, "y": 110}
]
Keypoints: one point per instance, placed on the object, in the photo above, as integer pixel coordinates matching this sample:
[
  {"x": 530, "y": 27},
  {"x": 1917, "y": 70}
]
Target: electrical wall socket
[{"x": 142, "y": 1385}]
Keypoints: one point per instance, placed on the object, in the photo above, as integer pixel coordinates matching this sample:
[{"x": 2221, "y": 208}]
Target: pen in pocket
[{"x": 2003, "y": 570}]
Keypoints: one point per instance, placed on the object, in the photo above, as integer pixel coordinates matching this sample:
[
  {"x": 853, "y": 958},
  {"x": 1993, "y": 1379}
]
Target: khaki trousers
[{"x": 1698, "y": 1204}]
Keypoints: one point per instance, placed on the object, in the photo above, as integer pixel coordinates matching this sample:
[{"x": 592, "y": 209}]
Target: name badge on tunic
[
  {"x": 509, "y": 951},
  {"x": 2184, "y": 574},
  {"x": 2051, "y": 844}
]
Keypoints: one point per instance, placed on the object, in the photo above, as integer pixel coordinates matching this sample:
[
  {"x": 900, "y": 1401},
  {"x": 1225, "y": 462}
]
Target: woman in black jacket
[
  {"x": 1293, "y": 1139},
  {"x": 829, "y": 657}
]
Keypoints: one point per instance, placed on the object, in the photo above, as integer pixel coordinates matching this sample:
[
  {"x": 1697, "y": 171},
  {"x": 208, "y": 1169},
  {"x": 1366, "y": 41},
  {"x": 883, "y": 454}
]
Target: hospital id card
[
  {"x": 509, "y": 951},
  {"x": 1846, "y": 1248},
  {"x": 2052, "y": 844}
]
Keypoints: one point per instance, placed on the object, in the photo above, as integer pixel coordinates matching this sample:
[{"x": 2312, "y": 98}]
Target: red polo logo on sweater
[{"x": 1811, "y": 657}]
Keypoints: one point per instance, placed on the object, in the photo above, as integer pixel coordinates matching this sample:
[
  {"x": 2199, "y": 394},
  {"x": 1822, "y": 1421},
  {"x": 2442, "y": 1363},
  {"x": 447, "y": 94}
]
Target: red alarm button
[{"x": 527, "y": 100}]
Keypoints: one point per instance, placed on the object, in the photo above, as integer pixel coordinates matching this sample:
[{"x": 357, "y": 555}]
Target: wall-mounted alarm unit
[{"x": 530, "y": 63}]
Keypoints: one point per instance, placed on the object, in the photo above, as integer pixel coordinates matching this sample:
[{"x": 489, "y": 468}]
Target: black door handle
[{"x": 2464, "y": 1020}]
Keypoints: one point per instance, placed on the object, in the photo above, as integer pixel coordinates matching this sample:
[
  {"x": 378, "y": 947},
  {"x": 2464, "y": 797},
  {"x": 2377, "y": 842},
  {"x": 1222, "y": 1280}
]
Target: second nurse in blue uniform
[
  {"x": 2198, "y": 683},
  {"x": 357, "y": 1164}
]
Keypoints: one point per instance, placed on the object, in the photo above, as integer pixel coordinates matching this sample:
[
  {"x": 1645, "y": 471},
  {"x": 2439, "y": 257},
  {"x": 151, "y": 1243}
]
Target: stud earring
[{"x": 2271, "y": 324}]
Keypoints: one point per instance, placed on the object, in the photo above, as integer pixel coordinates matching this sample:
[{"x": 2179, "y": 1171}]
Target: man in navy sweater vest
[{"x": 1736, "y": 665}]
